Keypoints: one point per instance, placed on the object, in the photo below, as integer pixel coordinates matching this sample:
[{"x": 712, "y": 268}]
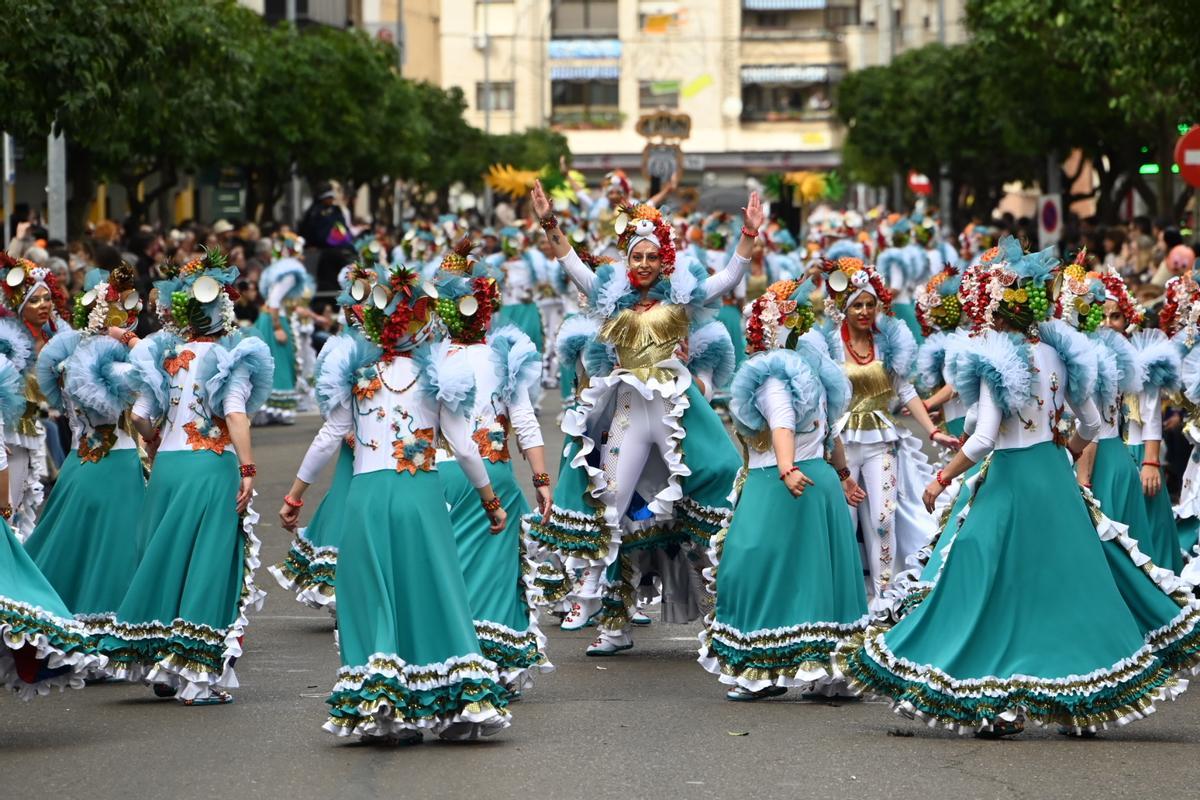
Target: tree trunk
[{"x": 81, "y": 175}]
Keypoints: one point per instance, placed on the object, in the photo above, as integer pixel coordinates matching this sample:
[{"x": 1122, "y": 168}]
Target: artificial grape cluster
[
  {"x": 179, "y": 308},
  {"x": 947, "y": 313},
  {"x": 373, "y": 323},
  {"x": 447, "y": 309},
  {"x": 804, "y": 319},
  {"x": 80, "y": 315},
  {"x": 1094, "y": 318},
  {"x": 1039, "y": 301}
]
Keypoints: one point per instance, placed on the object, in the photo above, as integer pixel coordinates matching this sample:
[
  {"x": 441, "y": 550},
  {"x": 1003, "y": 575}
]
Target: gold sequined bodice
[
  {"x": 27, "y": 424},
  {"x": 643, "y": 339},
  {"x": 871, "y": 391}
]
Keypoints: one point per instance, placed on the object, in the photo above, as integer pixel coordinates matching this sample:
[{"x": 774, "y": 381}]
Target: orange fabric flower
[
  {"x": 97, "y": 444},
  {"x": 214, "y": 436},
  {"x": 172, "y": 364},
  {"x": 493, "y": 440},
  {"x": 415, "y": 451}
]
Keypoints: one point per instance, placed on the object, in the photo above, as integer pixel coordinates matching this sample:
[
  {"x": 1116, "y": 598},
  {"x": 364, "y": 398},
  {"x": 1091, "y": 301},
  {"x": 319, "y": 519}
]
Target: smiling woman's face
[
  {"x": 645, "y": 265},
  {"x": 861, "y": 314}
]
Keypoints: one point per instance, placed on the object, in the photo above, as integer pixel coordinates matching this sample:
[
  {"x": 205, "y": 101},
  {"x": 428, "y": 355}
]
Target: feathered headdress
[
  {"x": 109, "y": 300},
  {"x": 644, "y": 223},
  {"x": 780, "y": 316}
]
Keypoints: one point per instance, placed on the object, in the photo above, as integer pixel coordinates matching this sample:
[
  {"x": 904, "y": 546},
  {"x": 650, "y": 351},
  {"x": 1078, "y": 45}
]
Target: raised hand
[
  {"x": 752, "y": 214},
  {"x": 541, "y": 203}
]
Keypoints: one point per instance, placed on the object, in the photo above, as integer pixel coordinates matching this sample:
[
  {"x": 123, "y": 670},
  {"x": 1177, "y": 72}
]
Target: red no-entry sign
[
  {"x": 1187, "y": 156},
  {"x": 919, "y": 184}
]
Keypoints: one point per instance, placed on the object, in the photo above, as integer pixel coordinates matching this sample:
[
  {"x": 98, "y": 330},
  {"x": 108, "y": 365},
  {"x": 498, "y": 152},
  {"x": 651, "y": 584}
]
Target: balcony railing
[
  {"x": 791, "y": 115},
  {"x": 589, "y": 119}
]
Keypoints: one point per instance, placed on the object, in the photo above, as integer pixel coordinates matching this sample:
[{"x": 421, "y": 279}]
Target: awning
[
  {"x": 783, "y": 5},
  {"x": 584, "y": 48},
  {"x": 587, "y": 73},
  {"x": 785, "y": 74}
]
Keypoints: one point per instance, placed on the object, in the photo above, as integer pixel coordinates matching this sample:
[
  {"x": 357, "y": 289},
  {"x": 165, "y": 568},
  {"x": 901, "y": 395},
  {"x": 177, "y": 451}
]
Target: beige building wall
[{"x": 880, "y": 37}]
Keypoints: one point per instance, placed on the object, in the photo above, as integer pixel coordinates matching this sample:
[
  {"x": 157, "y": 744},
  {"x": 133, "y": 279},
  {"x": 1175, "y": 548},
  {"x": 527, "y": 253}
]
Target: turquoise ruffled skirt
[
  {"x": 731, "y": 317},
  {"x": 788, "y": 582},
  {"x": 498, "y": 576},
  {"x": 526, "y": 317},
  {"x": 311, "y": 562},
  {"x": 83, "y": 542},
  {"x": 907, "y": 313},
  {"x": 1036, "y": 611},
  {"x": 1161, "y": 539},
  {"x": 281, "y": 404},
  {"x": 410, "y": 656},
  {"x": 42, "y": 646},
  {"x": 184, "y": 617}
]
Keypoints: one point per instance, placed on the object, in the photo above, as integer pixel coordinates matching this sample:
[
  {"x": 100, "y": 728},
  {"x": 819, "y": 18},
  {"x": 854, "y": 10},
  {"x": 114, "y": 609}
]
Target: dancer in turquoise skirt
[
  {"x": 311, "y": 562},
  {"x": 82, "y": 543},
  {"x": 518, "y": 281},
  {"x": 507, "y": 371},
  {"x": 411, "y": 660},
  {"x": 42, "y": 645},
  {"x": 285, "y": 285},
  {"x": 182, "y": 623},
  {"x": 635, "y": 423},
  {"x": 788, "y": 577},
  {"x": 1064, "y": 629},
  {"x": 904, "y": 266}
]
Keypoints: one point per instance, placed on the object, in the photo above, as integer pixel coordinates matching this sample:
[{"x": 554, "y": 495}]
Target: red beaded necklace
[{"x": 858, "y": 359}]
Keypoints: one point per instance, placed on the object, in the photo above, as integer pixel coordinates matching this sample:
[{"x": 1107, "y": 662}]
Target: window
[
  {"x": 841, "y": 16},
  {"x": 584, "y": 19},
  {"x": 499, "y": 99},
  {"x": 658, "y": 94},
  {"x": 766, "y": 102},
  {"x": 783, "y": 24},
  {"x": 585, "y": 103}
]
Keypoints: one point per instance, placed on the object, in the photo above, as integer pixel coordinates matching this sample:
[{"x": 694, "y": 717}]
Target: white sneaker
[
  {"x": 639, "y": 618},
  {"x": 609, "y": 644}
]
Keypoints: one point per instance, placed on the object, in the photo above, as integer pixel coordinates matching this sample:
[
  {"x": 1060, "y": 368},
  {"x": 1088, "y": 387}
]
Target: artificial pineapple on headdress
[
  {"x": 465, "y": 296},
  {"x": 196, "y": 300},
  {"x": 1010, "y": 285},
  {"x": 398, "y": 314},
  {"x": 847, "y": 278},
  {"x": 22, "y": 279},
  {"x": 780, "y": 316},
  {"x": 109, "y": 300},
  {"x": 644, "y": 223},
  {"x": 1081, "y": 295},
  {"x": 938, "y": 307}
]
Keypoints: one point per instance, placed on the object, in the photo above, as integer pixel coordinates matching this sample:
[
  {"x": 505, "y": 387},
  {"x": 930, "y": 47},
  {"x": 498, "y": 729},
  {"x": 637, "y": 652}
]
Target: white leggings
[
  {"x": 20, "y": 464},
  {"x": 874, "y": 467},
  {"x": 636, "y": 429}
]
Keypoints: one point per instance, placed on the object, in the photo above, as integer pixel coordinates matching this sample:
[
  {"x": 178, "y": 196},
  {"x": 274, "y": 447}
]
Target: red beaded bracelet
[
  {"x": 783, "y": 477},
  {"x": 493, "y": 504},
  {"x": 248, "y": 470},
  {"x": 749, "y": 232},
  {"x": 843, "y": 473},
  {"x": 1154, "y": 464},
  {"x": 153, "y": 439},
  {"x": 541, "y": 479},
  {"x": 548, "y": 222},
  {"x": 942, "y": 480},
  {"x": 288, "y": 500}
]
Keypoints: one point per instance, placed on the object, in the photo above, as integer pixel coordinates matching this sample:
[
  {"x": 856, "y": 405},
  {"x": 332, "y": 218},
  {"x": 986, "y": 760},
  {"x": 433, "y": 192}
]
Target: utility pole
[
  {"x": 7, "y": 184},
  {"x": 56, "y": 186},
  {"x": 290, "y": 12}
]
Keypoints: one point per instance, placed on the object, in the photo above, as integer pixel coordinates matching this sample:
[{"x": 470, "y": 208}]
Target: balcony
[
  {"x": 788, "y": 93},
  {"x": 334, "y": 13}
]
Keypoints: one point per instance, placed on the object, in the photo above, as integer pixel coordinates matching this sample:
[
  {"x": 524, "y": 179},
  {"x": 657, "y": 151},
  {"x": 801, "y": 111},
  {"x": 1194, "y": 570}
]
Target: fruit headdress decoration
[
  {"x": 847, "y": 278},
  {"x": 398, "y": 313},
  {"x": 1081, "y": 295},
  {"x": 197, "y": 299},
  {"x": 780, "y": 316},
  {"x": 938, "y": 308},
  {"x": 466, "y": 297},
  {"x": 109, "y": 300},
  {"x": 644, "y": 223},
  {"x": 21, "y": 280},
  {"x": 1010, "y": 285}
]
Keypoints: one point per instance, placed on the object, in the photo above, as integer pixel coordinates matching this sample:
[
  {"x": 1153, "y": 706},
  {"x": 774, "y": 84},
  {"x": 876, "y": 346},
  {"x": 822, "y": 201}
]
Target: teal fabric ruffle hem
[{"x": 82, "y": 542}]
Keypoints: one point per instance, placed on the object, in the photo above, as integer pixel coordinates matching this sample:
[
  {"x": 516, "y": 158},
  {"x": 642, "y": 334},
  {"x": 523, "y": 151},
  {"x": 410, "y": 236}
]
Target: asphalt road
[{"x": 648, "y": 723}]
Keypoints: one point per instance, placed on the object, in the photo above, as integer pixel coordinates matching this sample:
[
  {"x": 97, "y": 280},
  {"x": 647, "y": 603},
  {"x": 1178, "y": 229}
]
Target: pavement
[{"x": 649, "y": 723}]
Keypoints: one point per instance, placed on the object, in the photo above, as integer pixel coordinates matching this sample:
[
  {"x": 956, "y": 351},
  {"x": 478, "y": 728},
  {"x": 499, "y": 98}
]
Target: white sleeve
[
  {"x": 236, "y": 397},
  {"x": 466, "y": 453},
  {"x": 904, "y": 390},
  {"x": 1151, "y": 410},
  {"x": 3, "y": 451},
  {"x": 726, "y": 279},
  {"x": 144, "y": 407},
  {"x": 524, "y": 422},
  {"x": 705, "y": 376},
  {"x": 279, "y": 290},
  {"x": 774, "y": 402},
  {"x": 327, "y": 441},
  {"x": 1087, "y": 419},
  {"x": 987, "y": 427},
  {"x": 578, "y": 272}
]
